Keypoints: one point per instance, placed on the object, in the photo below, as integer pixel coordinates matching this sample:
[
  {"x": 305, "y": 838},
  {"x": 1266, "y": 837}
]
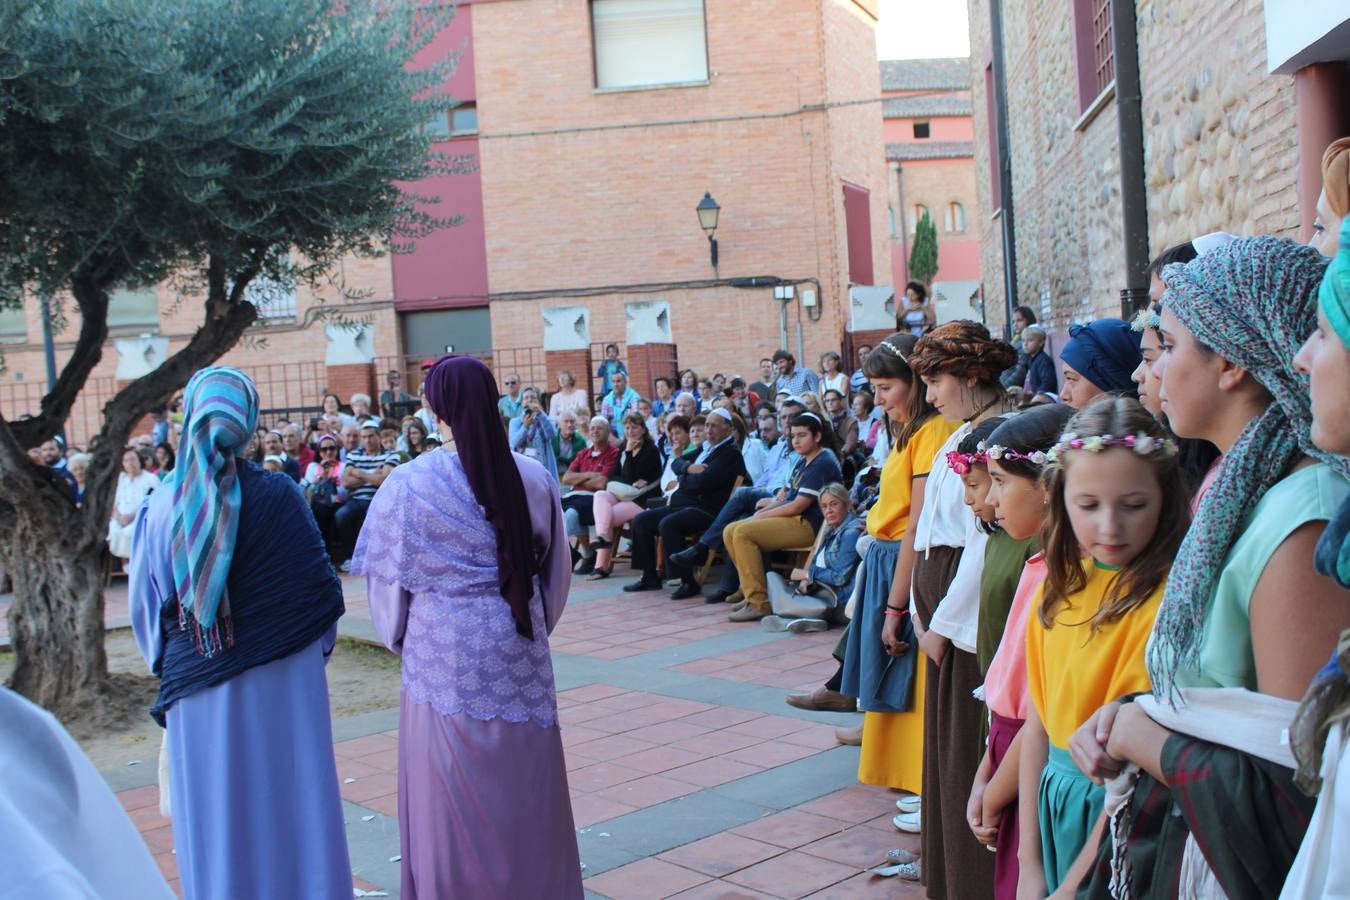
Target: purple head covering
[{"x": 463, "y": 393}]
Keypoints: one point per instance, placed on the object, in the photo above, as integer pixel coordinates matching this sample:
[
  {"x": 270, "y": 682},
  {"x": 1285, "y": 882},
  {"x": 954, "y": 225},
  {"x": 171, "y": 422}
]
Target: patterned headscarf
[
  {"x": 220, "y": 413},
  {"x": 962, "y": 348},
  {"x": 1253, "y": 302}
]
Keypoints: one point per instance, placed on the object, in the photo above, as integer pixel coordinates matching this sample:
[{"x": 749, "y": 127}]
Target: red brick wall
[
  {"x": 646, "y": 362},
  {"x": 352, "y": 379}
]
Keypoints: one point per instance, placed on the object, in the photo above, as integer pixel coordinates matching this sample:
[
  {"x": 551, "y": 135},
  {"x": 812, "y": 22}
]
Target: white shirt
[
  {"x": 945, "y": 518},
  {"x": 958, "y": 613}
]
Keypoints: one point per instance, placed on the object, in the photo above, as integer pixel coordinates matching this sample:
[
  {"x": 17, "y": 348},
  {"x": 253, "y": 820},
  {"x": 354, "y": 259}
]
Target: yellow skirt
[{"x": 892, "y": 748}]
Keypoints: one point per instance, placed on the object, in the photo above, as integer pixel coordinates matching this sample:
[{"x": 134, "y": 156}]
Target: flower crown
[
  {"x": 997, "y": 452},
  {"x": 1146, "y": 318},
  {"x": 961, "y": 463},
  {"x": 1143, "y": 444}
]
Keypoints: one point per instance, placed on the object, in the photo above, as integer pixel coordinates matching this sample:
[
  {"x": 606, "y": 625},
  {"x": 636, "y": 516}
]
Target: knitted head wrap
[
  {"x": 962, "y": 348},
  {"x": 1336, "y": 176},
  {"x": 1253, "y": 303}
]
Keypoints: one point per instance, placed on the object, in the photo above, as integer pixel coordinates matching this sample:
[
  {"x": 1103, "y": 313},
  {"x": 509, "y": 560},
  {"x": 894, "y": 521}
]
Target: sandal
[{"x": 597, "y": 574}]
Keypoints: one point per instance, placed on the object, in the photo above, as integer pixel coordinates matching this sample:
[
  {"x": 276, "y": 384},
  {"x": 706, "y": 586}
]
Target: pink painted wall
[
  {"x": 946, "y": 128},
  {"x": 958, "y": 260},
  {"x": 449, "y": 267}
]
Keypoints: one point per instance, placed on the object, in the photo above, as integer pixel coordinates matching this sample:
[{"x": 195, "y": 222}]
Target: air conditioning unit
[
  {"x": 567, "y": 328},
  {"x": 871, "y": 308}
]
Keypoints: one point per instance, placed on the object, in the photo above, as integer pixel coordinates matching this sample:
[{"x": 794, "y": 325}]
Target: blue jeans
[{"x": 349, "y": 519}]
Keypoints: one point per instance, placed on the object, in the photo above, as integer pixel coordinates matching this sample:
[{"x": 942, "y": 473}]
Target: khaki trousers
[{"x": 748, "y": 539}]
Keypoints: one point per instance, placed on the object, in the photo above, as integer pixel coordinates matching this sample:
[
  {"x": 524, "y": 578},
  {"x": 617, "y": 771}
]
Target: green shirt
[{"x": 1004, "y": 559}]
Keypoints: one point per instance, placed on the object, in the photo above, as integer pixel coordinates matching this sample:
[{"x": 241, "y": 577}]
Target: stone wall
[{"x": 1220, "y": 147}]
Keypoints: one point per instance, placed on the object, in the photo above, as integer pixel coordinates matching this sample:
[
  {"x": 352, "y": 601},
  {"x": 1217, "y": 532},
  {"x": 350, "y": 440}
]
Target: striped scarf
[
  {"x": 1253, "y": 302},
  {"x": 220, "y": 412}
]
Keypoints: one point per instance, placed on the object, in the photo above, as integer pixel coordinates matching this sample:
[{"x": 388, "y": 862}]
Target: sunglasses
[{"x": 327, "y": 447}]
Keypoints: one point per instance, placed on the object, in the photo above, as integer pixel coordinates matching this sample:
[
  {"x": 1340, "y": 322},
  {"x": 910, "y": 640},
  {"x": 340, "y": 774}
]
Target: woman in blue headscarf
[
  {"x": 1098, "y": 359},
  {"x": 235, "y": 606}
]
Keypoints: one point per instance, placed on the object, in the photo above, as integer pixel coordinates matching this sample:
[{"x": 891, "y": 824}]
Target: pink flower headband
[
  {"x": 961, "y": 463},
  {"x": 1143, "y": 444}
]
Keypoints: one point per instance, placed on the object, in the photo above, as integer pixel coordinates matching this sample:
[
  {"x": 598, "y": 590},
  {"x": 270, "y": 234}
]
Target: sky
[{"x": 916, "y": 29}]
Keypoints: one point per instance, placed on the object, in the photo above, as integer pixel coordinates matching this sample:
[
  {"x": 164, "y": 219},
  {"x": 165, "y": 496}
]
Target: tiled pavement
[{"x": 689, "y": 776}]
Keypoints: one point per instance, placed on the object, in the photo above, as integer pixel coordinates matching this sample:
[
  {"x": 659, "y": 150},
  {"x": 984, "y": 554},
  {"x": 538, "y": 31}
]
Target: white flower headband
[
  {"x": 1143, "y": 444},
  {"x": 999, "y": 452},
  {"x": 1146, "y": 318}
]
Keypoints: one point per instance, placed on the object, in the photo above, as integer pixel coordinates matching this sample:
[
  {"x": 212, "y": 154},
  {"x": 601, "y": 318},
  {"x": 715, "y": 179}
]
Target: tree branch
[{"x": 92, "y": 299}]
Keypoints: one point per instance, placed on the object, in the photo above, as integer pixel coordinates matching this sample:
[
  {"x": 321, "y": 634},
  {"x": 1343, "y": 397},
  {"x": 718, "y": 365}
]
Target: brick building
[
  {"x": 930, "y": 167},
  {"x": 593, "y": 131},
  {"x": 1237, "y": 100}
]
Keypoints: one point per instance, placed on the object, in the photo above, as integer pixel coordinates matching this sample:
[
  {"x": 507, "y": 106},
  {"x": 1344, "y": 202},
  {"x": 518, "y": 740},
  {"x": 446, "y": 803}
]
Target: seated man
[
  {"x": 293, "y": 442},
  {"x": 363, "y": 472},
  {"x": 772, "y": 481},
  {"x": 619, "y": 402},
  {"x": 704, "y": 486},
  {"x": 273, "y": 445},
  {"x": 360, "y": 404},
  {"x": 589, "y": 472}
]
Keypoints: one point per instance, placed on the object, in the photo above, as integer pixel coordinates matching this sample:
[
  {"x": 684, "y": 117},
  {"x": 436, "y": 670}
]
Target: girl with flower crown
[
  {"x": 960, "y": 364},
  {"x": 1015, "y": 454},
  {"x": 1116, "y": 515},
  {"x": 1244, "y": 615}
]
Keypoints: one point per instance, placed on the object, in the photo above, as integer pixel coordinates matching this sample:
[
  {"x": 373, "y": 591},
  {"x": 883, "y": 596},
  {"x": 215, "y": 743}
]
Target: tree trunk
[{"x": 56, "y": 622}]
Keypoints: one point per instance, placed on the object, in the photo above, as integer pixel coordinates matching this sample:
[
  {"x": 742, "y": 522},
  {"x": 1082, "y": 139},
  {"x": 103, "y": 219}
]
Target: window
[
  {"x": 858, "y": 227},
  {"x": 133, "y": 308},
  {"x": 643, "y": 43},
  {"x": 922, "y": 131},
  {"x": 272, "y": 299},
  {"x": 955, "y": 219},
  {"x": 1093, "y": 53},
  {"x": 437, "y": 127},
  {"x": 13, "y": 326},
  {"x": 464, "y": 119},
  {"x": 917, "y": 213}
]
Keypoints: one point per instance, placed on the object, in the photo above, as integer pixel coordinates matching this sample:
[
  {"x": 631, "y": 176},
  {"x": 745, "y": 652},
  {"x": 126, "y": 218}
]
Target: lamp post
[{"x": 708, "y": 211}]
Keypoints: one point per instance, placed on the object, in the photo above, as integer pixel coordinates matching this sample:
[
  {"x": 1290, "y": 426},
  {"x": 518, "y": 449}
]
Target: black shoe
[
  {"x": 717, "y": 597},
  {"x": 586, "y": 567},
  {"x": 691, "y": 558},
  {"x": 648, "y": 582},
  {"x": 686, "y": 590}
]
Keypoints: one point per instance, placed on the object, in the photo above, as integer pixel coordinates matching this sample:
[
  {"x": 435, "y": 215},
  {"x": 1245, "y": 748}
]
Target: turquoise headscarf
[
  {"x": 1333, "y": 548},
  {"x": 1253, "y": 302},
  {"x": 220, "y": 413}
]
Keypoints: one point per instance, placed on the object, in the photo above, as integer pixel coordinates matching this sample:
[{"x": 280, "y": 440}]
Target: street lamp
[{"x": 708, "y": 211}]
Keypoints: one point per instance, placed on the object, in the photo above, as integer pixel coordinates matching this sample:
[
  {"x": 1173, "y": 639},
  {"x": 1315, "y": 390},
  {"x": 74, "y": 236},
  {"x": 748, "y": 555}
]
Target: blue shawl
[{"x": 284, "y": 594}]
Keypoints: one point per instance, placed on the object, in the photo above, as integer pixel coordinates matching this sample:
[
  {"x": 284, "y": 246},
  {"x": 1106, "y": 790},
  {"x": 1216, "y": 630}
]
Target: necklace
[{"x": 977, "y": 413}]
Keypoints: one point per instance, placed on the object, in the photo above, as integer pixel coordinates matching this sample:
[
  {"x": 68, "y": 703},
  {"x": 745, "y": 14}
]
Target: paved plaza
[{"x": 690, "y": 777}]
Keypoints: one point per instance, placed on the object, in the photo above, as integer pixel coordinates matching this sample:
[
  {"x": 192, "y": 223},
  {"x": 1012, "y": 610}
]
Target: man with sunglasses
[{"x": 511, "y": 403}]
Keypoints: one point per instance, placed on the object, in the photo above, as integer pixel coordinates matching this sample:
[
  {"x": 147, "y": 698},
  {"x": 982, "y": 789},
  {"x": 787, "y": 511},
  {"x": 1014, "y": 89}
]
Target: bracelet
[
  {"x": 902, "y": 610},
  {"x": 891, "y": 612}
]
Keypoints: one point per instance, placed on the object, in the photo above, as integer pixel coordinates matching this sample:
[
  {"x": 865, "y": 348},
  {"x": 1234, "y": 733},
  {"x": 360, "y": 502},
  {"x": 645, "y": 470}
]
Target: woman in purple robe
[
  {"x": 235, "y": 604},
  {"x": 467, "y": 564}
]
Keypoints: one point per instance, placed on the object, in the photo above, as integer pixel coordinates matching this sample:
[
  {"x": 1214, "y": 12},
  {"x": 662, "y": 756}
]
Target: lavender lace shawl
[{"x": 425, "y": 534}]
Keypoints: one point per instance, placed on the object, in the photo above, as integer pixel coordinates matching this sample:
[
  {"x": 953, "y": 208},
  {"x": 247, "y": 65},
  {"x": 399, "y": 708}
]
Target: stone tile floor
[{"x": 689, "y": 776}]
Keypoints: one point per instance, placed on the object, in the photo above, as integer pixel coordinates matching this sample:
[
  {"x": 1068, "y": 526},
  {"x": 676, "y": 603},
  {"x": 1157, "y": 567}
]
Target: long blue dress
[{"x": 256, "y": 805}]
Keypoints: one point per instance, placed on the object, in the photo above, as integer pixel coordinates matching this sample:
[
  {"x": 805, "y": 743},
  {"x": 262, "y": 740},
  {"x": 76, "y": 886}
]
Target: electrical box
[{"x": 808, "y": 298}]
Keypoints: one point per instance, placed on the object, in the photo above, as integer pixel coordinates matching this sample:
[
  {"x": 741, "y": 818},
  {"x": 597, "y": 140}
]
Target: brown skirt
[{"x": 955, "y": 865}]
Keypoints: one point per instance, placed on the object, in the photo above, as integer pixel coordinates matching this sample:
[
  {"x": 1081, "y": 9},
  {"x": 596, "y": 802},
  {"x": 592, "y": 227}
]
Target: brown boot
[
  {"x": 747, "y": 613},
  {"x": 853, "y": 737},
  {"x": 822, "y": 699}
]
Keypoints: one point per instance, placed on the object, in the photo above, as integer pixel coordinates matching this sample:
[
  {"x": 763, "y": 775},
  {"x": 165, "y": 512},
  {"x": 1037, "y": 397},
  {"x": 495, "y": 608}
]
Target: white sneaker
[
  {"x": 909, "y": 804},
  {"x": 775, "y": 623},
  {"x": 907, "y": 822},
  {"x": 806, "y": 626},
  {"x": 346, "y": 566}
]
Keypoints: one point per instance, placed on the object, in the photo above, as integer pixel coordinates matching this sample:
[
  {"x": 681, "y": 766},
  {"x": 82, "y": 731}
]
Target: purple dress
[
  {"x": 483, "y": 805},
  {"x": 256, "y": 806}
]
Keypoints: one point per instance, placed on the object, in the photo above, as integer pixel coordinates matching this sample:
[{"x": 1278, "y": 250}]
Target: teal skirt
[{"x": 1068, "y": 804}]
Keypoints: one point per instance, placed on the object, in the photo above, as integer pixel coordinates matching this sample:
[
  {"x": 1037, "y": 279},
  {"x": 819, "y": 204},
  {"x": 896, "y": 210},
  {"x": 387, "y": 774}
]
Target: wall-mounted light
[{"x": 708, "y": 211}]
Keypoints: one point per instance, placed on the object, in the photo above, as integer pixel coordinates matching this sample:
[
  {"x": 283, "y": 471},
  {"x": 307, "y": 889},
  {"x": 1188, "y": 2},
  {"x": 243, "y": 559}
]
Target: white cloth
[
  {"x": 1242, "y": 720},
  {"x": 65, "y": 835},
  {"x": 1322, "y": 867},
  {"x": 958, "y": 612},
  {"x": 837, "y": 382},
  {"x": 945, "y": 518},
  {"x": 756, "y": 456},
  {"x": 130, "y": 493}
]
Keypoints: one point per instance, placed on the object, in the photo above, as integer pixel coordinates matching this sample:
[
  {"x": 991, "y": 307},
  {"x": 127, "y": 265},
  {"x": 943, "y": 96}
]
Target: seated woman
[
  {"x": 824, "y": 584},
  {"x": 568, "y": 398},
  {"x": 783, "y": 524},
  {"x": 678, "y": 446},
  {"x": 320, "y": 484},
  {"x": 134, "y": 484},
  {"x": 639, "y": 470}
]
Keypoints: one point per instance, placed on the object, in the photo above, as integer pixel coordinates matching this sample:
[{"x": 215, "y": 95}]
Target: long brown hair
[
  {"x": 1134, "y": 583},
  {"x": 890, "y": 359}
]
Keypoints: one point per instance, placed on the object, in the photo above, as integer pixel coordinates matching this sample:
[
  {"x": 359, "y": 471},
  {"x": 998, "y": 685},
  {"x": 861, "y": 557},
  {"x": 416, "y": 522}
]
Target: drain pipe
[
  {"x": 1004, "y": 165},
  {"x": 1130, "y": 134}
]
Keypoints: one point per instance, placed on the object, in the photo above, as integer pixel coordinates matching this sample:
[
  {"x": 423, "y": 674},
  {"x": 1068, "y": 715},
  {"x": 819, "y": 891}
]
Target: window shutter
[{"x": 648, "y": 42}]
